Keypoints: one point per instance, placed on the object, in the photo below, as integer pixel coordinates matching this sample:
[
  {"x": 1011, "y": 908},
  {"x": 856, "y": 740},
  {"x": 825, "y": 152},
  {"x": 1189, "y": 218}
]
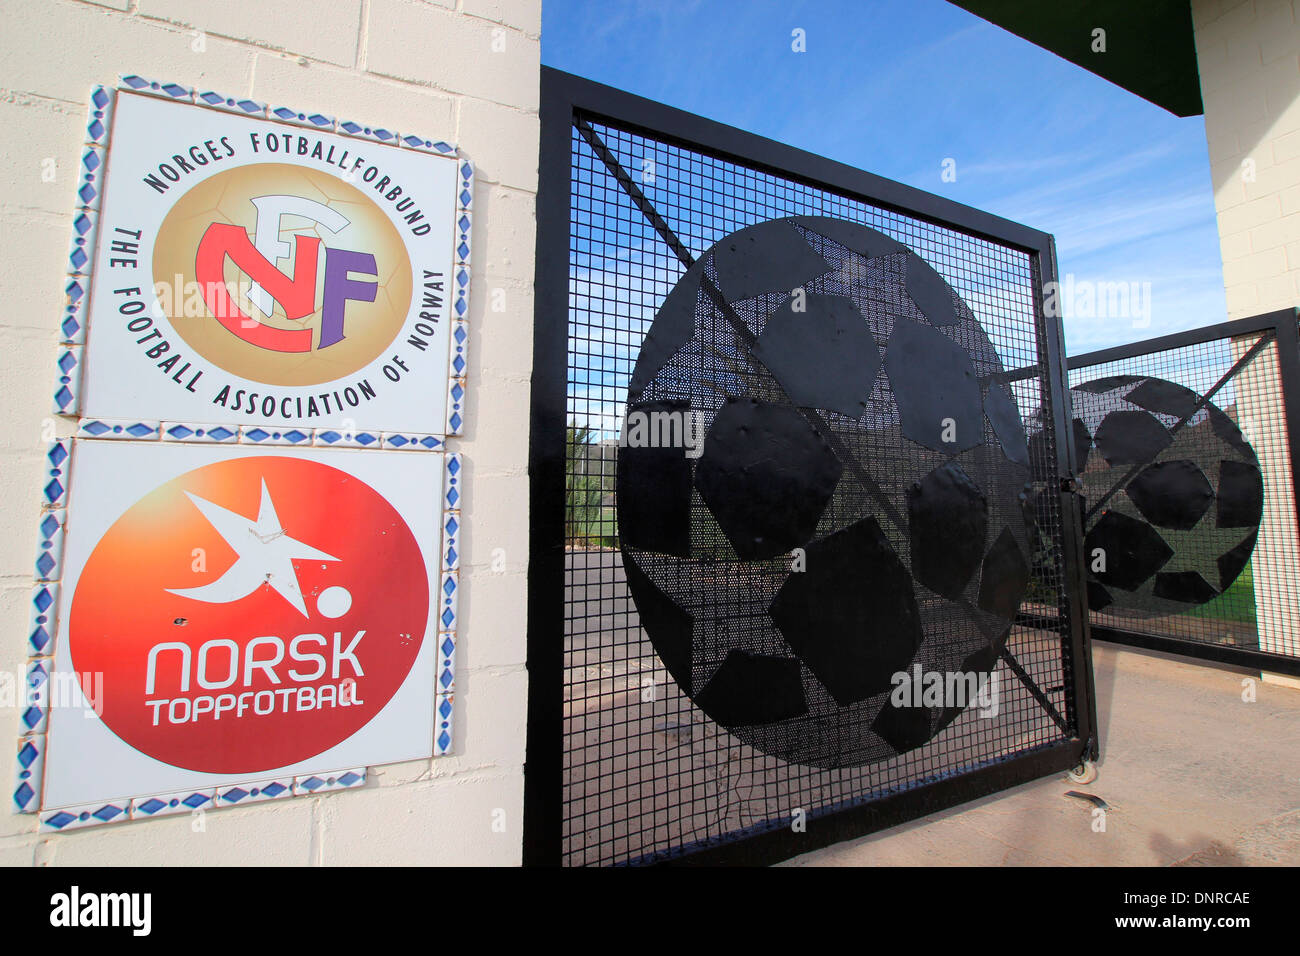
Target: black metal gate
[
  {"x": 689, "y": 698},
  {"x": 1206, "y": 511}
]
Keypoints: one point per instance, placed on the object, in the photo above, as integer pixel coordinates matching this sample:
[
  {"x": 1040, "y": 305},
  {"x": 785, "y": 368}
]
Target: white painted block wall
[
  {"x": 464, "y": 70},
  {"x": 1248, "y": 54}
]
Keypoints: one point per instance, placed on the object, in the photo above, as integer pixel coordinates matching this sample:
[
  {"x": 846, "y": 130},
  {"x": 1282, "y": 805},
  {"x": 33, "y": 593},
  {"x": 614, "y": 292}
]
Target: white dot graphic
[{"x": 334, "y": 602}]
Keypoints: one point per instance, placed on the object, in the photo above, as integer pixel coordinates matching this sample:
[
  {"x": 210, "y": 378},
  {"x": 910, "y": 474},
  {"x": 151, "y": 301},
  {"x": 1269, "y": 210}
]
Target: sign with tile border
[
  {"x": 251, "y": 265},
  {"x": 240, "y": 619}
]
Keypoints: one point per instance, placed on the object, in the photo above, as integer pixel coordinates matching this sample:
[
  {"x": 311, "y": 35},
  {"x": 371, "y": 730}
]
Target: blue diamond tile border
[
  {"x": 99, "y": 115},
  {"x": 170, "y": 804},
  {"x": 261, "y": 435},
  {"x": 199, "y": 432},
  {"x": 67, "y": 380},
  {"x": 311, "y": 783},
  {"x": 363, "y": 131},
  {"x": 241, "y": 106},
  {"x": 90, "y": 178},
  {"x": 167, "y": 91},
  {"x": 88, "y": 815},
  {"x": 443, "y": 729},
  {"x": 49, "y": 544},
  {"x": 72, "y": 322},
  {"x": 108, "y": 428},
  {"x": 312, "y": 120},
  {"x": 43, "y": 619},
  {"x": 256, "y": 791},
  {"x": 29, "y": 773},
  {"x": 58, "y": 468},
  {"x": 338, "y": 438},
  {"x": 408, "y": 441}
]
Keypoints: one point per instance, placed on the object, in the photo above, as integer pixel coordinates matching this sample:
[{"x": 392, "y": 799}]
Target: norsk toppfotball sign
[
  {"x": 253, "y": 272},
  {"x": 248, "y": 566},
  {"x": 237, "y": 616}
]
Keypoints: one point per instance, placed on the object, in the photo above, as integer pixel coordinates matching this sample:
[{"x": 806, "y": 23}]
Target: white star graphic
[{"x": 265, "y": 555}]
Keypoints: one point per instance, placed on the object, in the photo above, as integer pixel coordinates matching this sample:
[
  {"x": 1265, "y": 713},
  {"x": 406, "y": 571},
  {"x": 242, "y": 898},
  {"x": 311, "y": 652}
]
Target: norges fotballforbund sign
[{"x": 252, "y": 272}]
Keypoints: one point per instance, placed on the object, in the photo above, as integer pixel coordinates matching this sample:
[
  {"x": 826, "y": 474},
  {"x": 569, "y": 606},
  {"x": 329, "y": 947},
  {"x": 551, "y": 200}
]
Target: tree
[{"x": 587, "y": 520}]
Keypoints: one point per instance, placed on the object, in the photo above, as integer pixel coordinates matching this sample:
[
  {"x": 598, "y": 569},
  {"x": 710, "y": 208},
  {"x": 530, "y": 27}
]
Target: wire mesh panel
[
  {"x": 809, "y": 464},
  {"x": 1188, "y": 489}
]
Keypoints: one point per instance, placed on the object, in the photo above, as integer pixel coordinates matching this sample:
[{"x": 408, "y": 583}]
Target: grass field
[{"x": 1235, "y": 604}]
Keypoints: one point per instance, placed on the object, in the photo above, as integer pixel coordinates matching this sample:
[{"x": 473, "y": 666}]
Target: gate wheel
[{"x": 1086, "y": 772}]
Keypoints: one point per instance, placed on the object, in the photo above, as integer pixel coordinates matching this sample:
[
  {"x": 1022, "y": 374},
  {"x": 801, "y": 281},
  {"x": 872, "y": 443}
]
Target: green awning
[{"x": 1150, "y": 48}]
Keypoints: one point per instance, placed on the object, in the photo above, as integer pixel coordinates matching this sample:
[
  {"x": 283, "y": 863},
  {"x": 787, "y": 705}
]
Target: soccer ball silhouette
[
  {"x": 857, "y": 507},
  {"x": 1171, "y": 511}
]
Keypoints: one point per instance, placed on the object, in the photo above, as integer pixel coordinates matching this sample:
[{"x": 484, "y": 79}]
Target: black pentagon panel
[
  {"x": 1228, "y": 432},
  {"x": 1099, "y": 385},
  {"x": 851, "y": 616},
  {"x": 1098, "y": 597},
  {"x": 981, "y": 662},
  {"x": 753, "y": 689},
  {"x": 903, "y": 728},
  {"x": 654, "y": 491},
  {"x": 863, "y": 240},
  {"x": 1133, "y": 549},
  {"x": 1042, "y": 466},
  {"x": 1171, "y": 494},
  {"x": 1004, "y": 577},
  {"x": 668, "y": 625},
  {"x": 1169, "y": 398},
  {"x": 1082, "y": 443},
  {"x": 1131, "y": 438},
  {"x": 824, "y": 356},
  {"x": 930, "y": 293},
  {"x": 672, "y": 328},
  {"x": 933, "y": 381},
  {"x": 766, "y": 476},
  {"x": 1241, "y": 494},
  {"x": 1004, "y": 416},
  {"x": 1186, "y": 587},
  {"x": 948, "y": 521},
  {"x": 1043, "y": 461},
  {"x": 1232, "y": 563},
  {"x": 771, "y": 258}
]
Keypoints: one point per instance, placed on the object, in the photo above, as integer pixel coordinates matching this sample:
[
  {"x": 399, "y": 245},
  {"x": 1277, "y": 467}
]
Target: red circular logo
[{"x": 250, "y": 614}]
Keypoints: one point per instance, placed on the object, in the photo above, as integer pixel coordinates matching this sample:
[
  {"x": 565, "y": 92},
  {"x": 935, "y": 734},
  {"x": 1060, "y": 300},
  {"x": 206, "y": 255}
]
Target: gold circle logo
[{"x": 282, "y": 275}]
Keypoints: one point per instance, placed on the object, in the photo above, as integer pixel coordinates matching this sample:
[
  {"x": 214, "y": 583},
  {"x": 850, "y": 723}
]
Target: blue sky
[{"x": 898, "y": 86}]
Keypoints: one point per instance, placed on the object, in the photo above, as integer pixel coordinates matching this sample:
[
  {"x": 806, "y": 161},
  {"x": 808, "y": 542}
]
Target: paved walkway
[{"x": 1193, "y": 776}]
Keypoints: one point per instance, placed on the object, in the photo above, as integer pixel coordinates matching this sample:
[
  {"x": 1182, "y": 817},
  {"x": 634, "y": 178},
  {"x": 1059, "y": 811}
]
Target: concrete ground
[{"x": 1193, "y": 776}]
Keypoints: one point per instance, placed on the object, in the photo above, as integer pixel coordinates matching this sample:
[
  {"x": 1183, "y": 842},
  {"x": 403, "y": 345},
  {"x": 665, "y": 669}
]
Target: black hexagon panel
[{"x": 859, "y": 504}]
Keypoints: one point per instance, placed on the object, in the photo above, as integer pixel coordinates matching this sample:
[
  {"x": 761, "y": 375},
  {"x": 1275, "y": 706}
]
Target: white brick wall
[
  {"x": 1248, "y": 53},
  {"x": 466, "y": 70}
]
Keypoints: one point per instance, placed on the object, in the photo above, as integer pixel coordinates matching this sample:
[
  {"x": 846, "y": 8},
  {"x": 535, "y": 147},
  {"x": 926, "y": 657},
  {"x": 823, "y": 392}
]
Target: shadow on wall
[{"x": 1249, "y": 105}]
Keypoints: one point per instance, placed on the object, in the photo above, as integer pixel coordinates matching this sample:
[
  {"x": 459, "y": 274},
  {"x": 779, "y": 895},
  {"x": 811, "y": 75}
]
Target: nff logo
[
  {"x": 302, "y": 278},
  {"x": 295, "y": 295}
]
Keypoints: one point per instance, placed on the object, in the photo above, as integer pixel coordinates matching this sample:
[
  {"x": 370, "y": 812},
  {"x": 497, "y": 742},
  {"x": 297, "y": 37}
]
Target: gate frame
[
  {"x": 565, "y": 97},
  {"x": 1283, "y": 324}
]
